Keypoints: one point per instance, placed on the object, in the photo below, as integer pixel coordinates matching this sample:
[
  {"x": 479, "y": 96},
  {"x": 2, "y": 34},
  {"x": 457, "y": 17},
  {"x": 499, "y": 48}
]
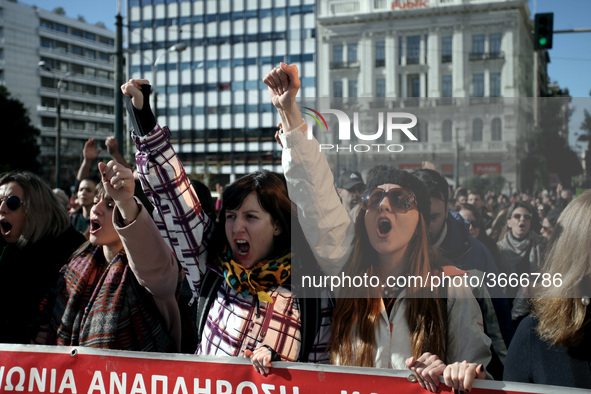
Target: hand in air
[
  {"x": 132, "y": 88},
  {"x": 90, "y": 151},
  {"x": 118, "y": 181},
  {"x": 283, "y": 84}
]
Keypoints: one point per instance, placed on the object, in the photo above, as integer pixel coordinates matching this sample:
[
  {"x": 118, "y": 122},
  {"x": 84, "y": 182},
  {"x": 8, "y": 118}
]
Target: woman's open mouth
[
  {"x": 242, "y": 247},
  {"x": 384, "y": 226},
  {"x": 94, "y": 226},
  {"x": 6, "y": 227}
]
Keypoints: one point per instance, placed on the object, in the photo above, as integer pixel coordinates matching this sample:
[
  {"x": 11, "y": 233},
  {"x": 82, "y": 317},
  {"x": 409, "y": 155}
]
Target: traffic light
[{"x": 543, "y": 27}]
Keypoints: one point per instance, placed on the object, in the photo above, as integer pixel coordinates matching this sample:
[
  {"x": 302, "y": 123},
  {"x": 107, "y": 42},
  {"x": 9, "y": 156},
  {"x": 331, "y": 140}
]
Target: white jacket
[{"x": 329, "y": 231}]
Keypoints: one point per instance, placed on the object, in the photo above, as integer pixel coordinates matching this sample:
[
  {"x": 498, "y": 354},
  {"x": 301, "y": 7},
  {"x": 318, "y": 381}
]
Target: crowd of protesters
[{"x": 146, "y": 260}]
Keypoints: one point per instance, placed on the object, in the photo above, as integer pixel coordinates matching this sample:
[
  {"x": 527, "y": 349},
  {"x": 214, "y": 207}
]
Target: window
[
  {"x": 76, "y": 50},
  {"x": 45, "y": 43},
  {"x": 77, "y": 33},
  {"x": 446, "y": 49},
  {"x": 352, "y": 88},
  {"x": 352, "y": 53},
  {"x": 414, "y": 86},
  {"x": 446, "y": 86},
  {"x": 413, "y": 47},
  {"x": 496, "y": 130},
  {"x": 337, "y": 54},
  {"x": 381, "y": 87},
  {"x": 380, "y": 54},
  {"x": 423, "y": 131},
  {"x": 477, "y": 130},
  {"x": 46, "y": 24},
  {"x": 478, "y": 85},
  {"x": 61, "y": 28},
  {"x": 478, "y": 43},
  {"x": 495, "y": 43},
  {"x": 446, "y": 135},
  {"x": 495, "y": 84},
  {"x": 337, "y": 89}
]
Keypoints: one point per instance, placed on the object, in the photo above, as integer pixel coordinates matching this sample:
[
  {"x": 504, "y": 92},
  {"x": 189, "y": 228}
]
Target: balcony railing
[
  {"x": 337, "y": 65},
  {"x": 479, "y": 56},
  {"x": 445, "y": 101}
]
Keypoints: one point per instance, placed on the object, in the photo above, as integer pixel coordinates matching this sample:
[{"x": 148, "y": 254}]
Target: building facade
[
  {"x": 77, "y": 54},
  {"x": 211, "y": 94},
  {"x": 464, "y": 67}
]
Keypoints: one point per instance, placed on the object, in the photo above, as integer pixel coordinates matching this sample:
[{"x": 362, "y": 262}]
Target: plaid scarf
[
  {"x": 263, "y": 276},
  {"x": 102, "y": 305}
]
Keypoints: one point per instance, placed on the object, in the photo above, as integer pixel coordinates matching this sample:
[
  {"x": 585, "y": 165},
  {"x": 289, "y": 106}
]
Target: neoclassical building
[{"x": 465, "y": 68}]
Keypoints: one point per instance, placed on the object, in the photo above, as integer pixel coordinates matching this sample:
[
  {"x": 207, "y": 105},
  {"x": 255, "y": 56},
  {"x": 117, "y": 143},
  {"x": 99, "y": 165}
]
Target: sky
[{"x": 570, "y": 57}]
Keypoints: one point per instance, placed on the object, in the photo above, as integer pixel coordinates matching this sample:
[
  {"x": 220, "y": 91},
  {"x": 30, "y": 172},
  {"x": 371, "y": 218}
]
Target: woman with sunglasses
[
  {"x": 37, "y": 240},
  {"x": 522, "y": 251},
  {"x": 379, "y": 326}
]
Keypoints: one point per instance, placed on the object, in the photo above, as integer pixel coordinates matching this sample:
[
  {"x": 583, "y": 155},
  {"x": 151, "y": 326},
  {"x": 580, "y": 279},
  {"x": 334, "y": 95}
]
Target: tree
[
  {"x": 59, "y": 11},
  {"x": 19, "y": 148},
  {"x": 549, "y": 151},
  {"x": 485, "y": 183}
]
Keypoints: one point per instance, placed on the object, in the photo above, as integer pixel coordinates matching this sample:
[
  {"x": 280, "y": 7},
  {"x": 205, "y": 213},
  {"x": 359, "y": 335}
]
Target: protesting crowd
[{"x": 144, "y": 260}]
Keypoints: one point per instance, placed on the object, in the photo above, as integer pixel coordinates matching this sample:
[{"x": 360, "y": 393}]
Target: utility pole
[{"x": 119, "y": 77}]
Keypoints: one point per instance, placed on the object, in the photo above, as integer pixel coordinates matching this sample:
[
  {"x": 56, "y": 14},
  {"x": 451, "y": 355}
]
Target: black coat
[
  {"x": 27, "y": 276},
  {"x": 532, "y": 360}
]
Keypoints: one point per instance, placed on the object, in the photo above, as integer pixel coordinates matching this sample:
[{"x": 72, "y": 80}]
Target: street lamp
[
  {"x": 178, "y": 47},
  {"x": 58, "y": 154}
]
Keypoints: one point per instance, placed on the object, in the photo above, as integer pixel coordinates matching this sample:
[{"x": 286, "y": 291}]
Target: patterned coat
[{"x": 232, "y": 324}]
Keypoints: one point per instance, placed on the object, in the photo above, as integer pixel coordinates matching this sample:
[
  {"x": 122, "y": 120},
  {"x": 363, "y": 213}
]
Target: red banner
[{"x": 47, "y": 369}]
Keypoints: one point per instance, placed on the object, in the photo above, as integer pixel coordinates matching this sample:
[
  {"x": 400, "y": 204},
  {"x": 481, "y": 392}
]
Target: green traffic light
[{"x": 543, "y": 40}]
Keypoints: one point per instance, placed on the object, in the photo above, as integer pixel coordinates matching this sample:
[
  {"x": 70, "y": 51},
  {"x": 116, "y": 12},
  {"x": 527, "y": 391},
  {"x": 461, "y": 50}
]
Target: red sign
[
  {"x": 447, "y": 169},
  {"x": 409, "y": 4},
  {"x": 487, "y": 168},
  {"x": 48, "y": 369},
  {"x": 411, "y": 166}
]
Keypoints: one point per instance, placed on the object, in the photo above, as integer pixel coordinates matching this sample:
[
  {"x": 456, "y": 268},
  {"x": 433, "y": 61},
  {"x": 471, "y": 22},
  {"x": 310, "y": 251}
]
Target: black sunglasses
[
  {"x": 12, "y": 202},
  {"x": 400, "y": 199}
]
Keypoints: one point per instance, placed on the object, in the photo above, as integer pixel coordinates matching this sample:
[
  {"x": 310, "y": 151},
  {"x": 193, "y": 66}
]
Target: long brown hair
[
  {"x": 563, "y": 320},
  {"x": 45, "y": 216},
  {"x": 356, "y": 316}
]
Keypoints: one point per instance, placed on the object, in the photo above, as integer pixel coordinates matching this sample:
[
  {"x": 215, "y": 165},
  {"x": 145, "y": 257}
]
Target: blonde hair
[
  {"x": 561, "y": 319},
  {"x": 357, "y": 318},
  {"x": 45, "y": 216}
]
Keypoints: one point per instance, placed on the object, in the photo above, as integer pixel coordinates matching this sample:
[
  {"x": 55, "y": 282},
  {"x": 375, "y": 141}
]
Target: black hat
[
  {"x": 381, "y": 175},
  {"x": 350, "y": 179}
]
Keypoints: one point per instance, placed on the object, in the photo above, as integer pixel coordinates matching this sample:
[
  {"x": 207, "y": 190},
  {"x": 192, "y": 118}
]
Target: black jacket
[{"x": 27, "y": 276}]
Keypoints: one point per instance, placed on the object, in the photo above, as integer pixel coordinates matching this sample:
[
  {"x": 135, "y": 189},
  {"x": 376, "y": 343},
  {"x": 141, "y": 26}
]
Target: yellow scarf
[{"x": 263, "y": 276}]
